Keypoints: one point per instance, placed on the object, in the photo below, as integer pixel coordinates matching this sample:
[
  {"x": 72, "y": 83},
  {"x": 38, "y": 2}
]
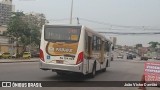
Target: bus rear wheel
[
  {"x": 60, "y": 73},
  {"x": 104, "y": 69},
  {"x": 93, "y": 73}
]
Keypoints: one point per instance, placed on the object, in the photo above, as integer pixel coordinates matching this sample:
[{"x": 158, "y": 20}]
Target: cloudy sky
[{"x": 142, "y": 13}]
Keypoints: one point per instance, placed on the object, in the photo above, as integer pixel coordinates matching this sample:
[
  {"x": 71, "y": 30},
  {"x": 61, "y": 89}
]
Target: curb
[{"x": 18, "y": 61}]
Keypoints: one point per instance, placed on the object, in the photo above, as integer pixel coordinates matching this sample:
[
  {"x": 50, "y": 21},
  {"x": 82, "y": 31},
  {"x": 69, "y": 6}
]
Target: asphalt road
[{"x": 120, "y": 70}]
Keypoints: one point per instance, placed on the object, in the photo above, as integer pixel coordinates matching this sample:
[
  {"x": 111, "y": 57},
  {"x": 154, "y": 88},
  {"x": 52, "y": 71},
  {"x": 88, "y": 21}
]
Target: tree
[
  {"x": 153, "y": 44},
  {"x": 35, "y": 22},
  {"x": 16, "y": 27},
  {"x": 159, "y": 45},
  {"x": 25, "y": 29}
]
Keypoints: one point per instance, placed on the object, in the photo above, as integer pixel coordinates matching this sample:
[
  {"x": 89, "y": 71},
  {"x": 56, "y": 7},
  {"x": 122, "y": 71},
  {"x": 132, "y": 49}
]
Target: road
[{"x": 120, "y": 70}]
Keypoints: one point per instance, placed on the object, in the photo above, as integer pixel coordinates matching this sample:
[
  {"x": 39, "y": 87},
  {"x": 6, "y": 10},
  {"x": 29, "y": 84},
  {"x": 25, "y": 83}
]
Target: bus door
[
  {"x": 102, "y": 52},
  {"x": 88, "y": 48}
]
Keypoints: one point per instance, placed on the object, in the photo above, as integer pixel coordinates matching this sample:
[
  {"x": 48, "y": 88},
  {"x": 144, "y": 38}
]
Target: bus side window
[
  {"x": 99, "y": 44},
  {"x": 86, "y": 41},
  {"x": 107, "y": 47},
  {"x": 94, "y": 43},
  {"x": 88, "y": 45}
]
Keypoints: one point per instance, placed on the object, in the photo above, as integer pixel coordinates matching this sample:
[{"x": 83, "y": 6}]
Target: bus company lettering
[{"x": 64, "y": 50}]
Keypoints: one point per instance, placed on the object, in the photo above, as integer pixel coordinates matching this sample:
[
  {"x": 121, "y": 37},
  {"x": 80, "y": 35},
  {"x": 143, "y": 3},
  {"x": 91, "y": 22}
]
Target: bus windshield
[{"x": 62, "y": 34}]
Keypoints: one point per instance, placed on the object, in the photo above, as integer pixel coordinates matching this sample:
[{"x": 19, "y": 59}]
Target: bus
[{"x": 73, "y": 48}]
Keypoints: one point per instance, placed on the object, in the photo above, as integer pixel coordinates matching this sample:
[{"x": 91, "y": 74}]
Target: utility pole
[{"x": 71, "y": 12}]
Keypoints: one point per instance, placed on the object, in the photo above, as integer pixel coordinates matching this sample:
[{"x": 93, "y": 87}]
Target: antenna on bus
[{"x": 78, "y": 21}]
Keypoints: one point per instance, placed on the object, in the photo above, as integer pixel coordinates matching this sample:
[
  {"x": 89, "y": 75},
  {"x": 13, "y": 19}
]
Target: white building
[{"x": 6, "y": 9}]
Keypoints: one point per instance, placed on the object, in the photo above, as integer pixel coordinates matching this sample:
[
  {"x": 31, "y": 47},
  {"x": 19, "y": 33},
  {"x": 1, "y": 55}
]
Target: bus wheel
[
  {"x": 104, "y": 69},
  {"x": 60, "y": 73},
  {"x": 93, "y": 73}
]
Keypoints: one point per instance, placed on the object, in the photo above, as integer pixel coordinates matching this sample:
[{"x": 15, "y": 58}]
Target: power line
[
  {"x": 121, "y": 26},
  {"x": 133, "y": 33},
  {"x": 103, "y": 28}
]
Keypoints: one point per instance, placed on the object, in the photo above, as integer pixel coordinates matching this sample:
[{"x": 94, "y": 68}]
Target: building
[
  {"x": 3, "y": 29},
  {"x": 7, "y": 46},
  {"x": 114, "y": 40},
  {"x": 142, "y": 51},
  {"x": 6, "y": 9}
]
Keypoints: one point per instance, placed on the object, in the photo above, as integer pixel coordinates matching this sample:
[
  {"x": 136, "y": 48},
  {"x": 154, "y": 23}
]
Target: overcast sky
[{"x": 115, "y": 12}]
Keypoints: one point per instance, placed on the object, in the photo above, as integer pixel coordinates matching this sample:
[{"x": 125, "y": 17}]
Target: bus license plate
[{"x": 59, "y": 61}]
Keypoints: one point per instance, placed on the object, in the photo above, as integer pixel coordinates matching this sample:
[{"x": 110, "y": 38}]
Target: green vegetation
[
  {"x": 25, "y": 29},
  {"x": 153, "y": 44}
]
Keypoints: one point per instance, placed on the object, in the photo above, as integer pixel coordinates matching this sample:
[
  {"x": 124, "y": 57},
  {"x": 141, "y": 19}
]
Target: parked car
[
  {"x": 157, "y": 58},
  {"x": 129, "y": 56},
  {"x": 127, "y": 52},
  {"x": 14, "y": 55},
  {"x": 27, "y": 55},
  {"x": 133, "y": 55},
  {"x": 6, "y": 55},
  {"x": 154, "y": 57},
  {"x": 144, "y": 58},
  {"x": 149, "y": 57},
  {"x": 35, "y": 54}
]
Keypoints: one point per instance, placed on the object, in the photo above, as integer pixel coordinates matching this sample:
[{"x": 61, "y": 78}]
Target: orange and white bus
[{"x": 73, "y": 48}]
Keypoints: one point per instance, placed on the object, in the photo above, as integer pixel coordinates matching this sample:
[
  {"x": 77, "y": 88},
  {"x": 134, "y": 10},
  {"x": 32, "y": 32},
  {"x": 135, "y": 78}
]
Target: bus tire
[
  {"x": 93, "y": 73},
  {"x": 60, "y": 73},
  {"x": 104, "y": 69}
]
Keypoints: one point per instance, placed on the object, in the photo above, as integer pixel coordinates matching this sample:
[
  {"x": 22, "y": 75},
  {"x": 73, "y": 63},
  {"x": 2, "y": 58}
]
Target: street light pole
[{"x": 71, "y": 12}]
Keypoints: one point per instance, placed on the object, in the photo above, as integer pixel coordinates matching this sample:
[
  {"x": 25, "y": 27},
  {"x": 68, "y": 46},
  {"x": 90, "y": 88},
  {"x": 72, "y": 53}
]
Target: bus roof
[{"x": 98, "y": 34}]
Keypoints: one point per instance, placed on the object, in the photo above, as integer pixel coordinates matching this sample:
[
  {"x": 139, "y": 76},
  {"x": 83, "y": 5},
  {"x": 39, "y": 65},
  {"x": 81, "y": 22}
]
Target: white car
[
  {"x": 14, "y": 55},
  {"x": 120, "y": 56}
]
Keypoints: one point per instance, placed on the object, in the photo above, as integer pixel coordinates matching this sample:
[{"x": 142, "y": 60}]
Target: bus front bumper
[{"x": 61, "y": 67}]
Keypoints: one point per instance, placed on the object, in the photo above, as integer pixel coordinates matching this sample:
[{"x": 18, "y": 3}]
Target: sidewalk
[{"x": 18, "y": 60}]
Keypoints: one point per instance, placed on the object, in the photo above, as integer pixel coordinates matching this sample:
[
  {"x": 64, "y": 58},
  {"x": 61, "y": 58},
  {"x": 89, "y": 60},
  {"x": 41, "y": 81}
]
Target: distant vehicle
[
  {"x": 133, "y": 55},
  {"x": 120, "y": 56},
  {"x": 154, "y": 57},
  {"x": 6, "y": 55},
  {"x": 35, "y": 54},
  {"x": 129, "y": 56},
  {"x": 14, "y": 55},
  {"x": 149, "y": 57},
  {"x": 17, "y": 55},
  {"x": 157, "y": 58},
  {"x": 27, "y": 55},
  {"x": 144, "y": 58}
]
